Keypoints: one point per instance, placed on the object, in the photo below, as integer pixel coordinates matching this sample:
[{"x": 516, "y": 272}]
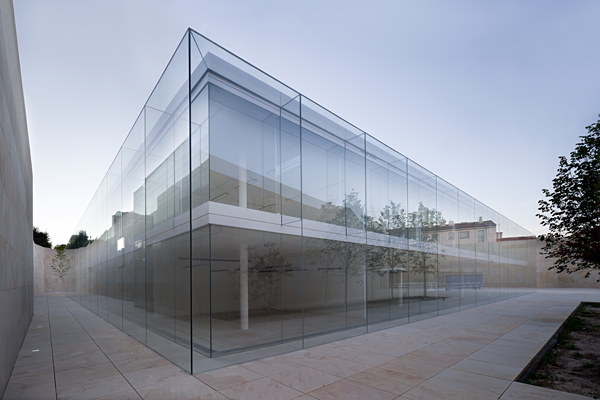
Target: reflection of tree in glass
[
  {"x": 419, "y": 226},
  {"x": 268, "y": 267},
  {"x": 351, "y": 214},
  {"x": 422, "y": 231},
  {"x": 79, "y": 240},
  {"x": 336, "y": 262},
  {"x": 346, "y": 258},
  {"x": 392, "y": 222}
]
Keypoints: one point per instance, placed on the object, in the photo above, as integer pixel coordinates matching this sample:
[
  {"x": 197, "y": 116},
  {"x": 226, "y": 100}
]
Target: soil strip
[{"x": 573, "y": 365}]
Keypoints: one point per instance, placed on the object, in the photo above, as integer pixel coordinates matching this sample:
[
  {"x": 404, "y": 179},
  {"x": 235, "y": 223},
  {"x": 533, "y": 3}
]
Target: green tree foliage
[
  {"x": 41, "y": 238},
  {"x": 79, "y": 240},
  {"x": 571, "y": 210},
  {"x": 60, "y": 263}
]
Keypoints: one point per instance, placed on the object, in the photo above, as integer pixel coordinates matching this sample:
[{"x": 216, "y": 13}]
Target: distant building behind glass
[{"x": 241, "y": 219}]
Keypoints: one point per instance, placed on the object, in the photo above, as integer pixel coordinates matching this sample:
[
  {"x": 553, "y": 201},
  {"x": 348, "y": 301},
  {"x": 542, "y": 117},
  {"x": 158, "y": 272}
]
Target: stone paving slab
[{"x": 70, "y": 353}]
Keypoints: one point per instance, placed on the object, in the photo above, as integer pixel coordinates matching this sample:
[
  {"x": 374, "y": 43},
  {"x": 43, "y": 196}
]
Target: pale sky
[{"x": 485, "y": 94}]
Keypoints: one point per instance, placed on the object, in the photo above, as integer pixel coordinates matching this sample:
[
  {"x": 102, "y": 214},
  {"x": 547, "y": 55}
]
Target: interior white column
[{"x": 243, "y": 203}]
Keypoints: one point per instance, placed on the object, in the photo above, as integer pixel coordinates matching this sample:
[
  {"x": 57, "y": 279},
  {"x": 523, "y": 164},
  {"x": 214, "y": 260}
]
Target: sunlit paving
[{"x": 477, "y": 353}]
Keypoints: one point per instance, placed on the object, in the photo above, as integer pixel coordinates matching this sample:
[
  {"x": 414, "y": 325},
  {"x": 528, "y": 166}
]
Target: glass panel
[
  {"x": 323, "y": 193},
  {"x": 244, "y": 153},
  {"x": 467, "y": 238},
  {"x": 386, "y": 226},
  {"x": 201, "y": 315},
  {"x": 94, "y": 254},
  {"x": 485, "y": 232},
  {"x": 331, "y": 310},
  {"x": 504, "y": 255},
  {"x": 115, "y": 245},
  {"x": 200, "y": 263},
  {"x": 291, "y": 273},
  {"x": 200, "y": 151},
  {"x": 290, "y": 169},
  {"x": 514, "y": 263},
  {"x": 103, "y": 227},
  {"x": 167, "y": 200},
  {"x": 248, "y": 271},
  {"x": 134, "y": 228},
  {"x": 335, "y": 150},
  {"x": 333, "y": 201},
  {"x": 494, "y": 282},
  {"x": 422, "y": 221},
  {"x": 449, "y": 270}
]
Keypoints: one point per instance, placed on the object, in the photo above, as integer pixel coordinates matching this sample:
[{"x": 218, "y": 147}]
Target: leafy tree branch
[{"x": 571, "y": 210}]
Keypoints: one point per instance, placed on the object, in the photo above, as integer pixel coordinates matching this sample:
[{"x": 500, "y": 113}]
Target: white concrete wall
[
  {"x": 16, "y": 206},
  {"x": 46, "y": 280}
]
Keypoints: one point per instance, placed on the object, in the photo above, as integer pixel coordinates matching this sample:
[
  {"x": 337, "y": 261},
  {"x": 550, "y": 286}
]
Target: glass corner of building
[{"x": 241, "y": 218}]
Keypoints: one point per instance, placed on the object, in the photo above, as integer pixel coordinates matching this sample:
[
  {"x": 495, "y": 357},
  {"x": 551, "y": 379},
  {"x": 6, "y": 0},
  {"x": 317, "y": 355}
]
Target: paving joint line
[
  {"x": 51, "y": 347},
  {"x": 96, "y": 343}
]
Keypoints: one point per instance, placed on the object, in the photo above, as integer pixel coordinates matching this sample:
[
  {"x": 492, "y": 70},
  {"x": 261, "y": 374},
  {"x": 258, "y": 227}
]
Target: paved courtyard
[{"x": 70, "y": 353}]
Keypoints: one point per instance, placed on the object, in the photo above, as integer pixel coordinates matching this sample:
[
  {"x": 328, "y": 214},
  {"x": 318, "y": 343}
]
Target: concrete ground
[{"x": 70, "y": 353}]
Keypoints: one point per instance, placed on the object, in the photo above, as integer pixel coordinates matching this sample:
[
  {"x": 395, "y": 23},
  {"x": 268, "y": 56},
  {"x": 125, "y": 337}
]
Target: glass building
[{"x": 241, "y": 219}]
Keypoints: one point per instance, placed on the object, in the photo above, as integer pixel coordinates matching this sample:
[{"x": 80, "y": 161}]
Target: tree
[
  {"x": 41, "y": 238},
  {"x": 60, "y": 263},
  {"x": 571, "y": 210}
]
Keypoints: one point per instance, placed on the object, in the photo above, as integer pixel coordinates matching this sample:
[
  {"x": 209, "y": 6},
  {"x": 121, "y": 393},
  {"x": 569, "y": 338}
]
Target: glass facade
[{"x": 241, "y": 219}]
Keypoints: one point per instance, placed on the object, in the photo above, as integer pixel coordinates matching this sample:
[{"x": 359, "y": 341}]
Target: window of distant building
[
  {"x": 465, "y": 235},
  {"x": 450, "y": 235},
  {"x": 481, "y": 235}
]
